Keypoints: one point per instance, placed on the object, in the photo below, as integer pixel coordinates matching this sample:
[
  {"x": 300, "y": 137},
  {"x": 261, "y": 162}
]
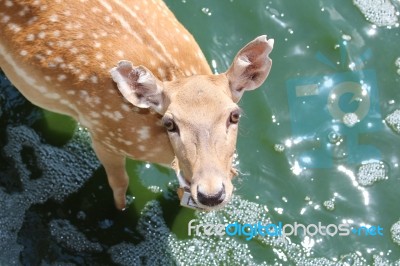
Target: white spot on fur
[
  {"x": 30, "y": 37},
  {"x": 103, "y": 33},
  {"x": 53, "y": 18},
  {"x": 97, "y": 44},
  {"x": 82, "y": 77},
  {"x": 80, "y": 35},
  {"x": 125, "y": 107},
  {"x": 97, "y": 100},
  {"x": 56, "y": 33},
  {"x": 118, "y": 115},
  {"x": 61, "y": 77},
  {"x": 58, "y": 59},
  {"x": 9, "y": 3},
  {"x": 84, "y": 59},
  {"x": 94, "y": 114},
  {"x": 120, "y": 53},
  {"x": 96, "y": 10},
  {"x": 47, "y": 78},
  {"x": 94, "y": 79},
  {"x": 14, "y": 27},
  {"x": 99, "y": 56},
  {"x": 71, "y": 92},
  {"x": 23, "y": 12},
  {"x": 142, "y": 148},
  {"x": 42, "y": 35},
  {"x": 144, "y": 133},
  {"x": 23, "y": 53},
  {"x": 73, "y": 50},
  {"x": 5, "y": 18},
  {"x": 111, "y": 115}
]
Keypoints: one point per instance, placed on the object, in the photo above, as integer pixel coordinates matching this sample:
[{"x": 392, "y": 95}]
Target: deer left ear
[
  {"x": 139, "y": 86},
  {"x": 250, "y": 67}
]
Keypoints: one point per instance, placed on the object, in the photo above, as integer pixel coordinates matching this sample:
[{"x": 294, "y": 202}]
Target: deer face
[{"x": 201, "y": 115}]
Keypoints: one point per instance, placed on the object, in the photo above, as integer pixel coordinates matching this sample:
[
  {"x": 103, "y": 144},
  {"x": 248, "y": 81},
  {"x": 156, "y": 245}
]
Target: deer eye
[
  {"x": 234, "y": 117},
  {"x": 170, "y": 125}
]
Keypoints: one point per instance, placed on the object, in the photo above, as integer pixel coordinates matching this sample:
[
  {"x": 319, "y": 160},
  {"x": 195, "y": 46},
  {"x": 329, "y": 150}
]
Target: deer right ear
[
  {"x": 250, "y": 67},
  {"x": 138, "y": 85}
]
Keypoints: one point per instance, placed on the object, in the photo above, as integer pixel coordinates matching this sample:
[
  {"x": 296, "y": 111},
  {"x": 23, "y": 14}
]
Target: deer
[{"x": 133, "y": 75}]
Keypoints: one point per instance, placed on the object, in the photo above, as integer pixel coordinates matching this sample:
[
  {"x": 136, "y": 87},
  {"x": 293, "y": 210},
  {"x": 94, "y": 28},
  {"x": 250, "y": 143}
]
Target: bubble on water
[
  {"x": 380, "y": 261},
  {"x": 378, "y": 12},
  {"x": 69, "y": 237},
  {"x": 346, "y": 37},
  {"x": 369, "y": 173},
  {"x": 329, "y": 205},
  {"x": 155, "y": 189},
  {"x": 397, "y": 62},
  {"x": 395, "y": 231},
  {"x": 334, "y": 137},
  {"x": 279, "y": 147},
  {"x": 106, "y": 223},
  {"x": 206, "y": 11},
  {"x": 81, "y": 215},
  {"x": 308, "y": 243},
  {"x": 350, "y": 119},
  {"x": 155, "y": 249},
  {"x": 393, "y": 120}
]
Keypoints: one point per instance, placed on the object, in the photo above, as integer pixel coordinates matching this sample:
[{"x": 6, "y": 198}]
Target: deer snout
[{"x": 211, "y": 199}]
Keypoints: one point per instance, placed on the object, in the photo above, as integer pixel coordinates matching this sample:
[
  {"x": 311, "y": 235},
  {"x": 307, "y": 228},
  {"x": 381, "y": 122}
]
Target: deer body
[{"x": 59, "y": 55}]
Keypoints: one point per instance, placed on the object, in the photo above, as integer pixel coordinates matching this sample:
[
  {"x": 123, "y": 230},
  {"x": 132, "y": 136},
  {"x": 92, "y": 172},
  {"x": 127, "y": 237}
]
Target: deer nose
[{"x": 211, "y": 200}]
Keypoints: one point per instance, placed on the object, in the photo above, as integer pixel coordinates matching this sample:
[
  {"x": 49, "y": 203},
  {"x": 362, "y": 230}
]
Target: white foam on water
[
  {"x": 279, "y": 147},
  {"x": 64, "y": 171},
  {"x": 379, "y": 12},
  {"x": 397, "y": 63},
  {"x": 393, "y": 121},
  {"x": 369, "y": 173},
  {"x": 395, "y": 231},
  {"x": 329, "y": 205},
  {"x": 350, "y": 119},
  {"x": 69, "y": 237}
]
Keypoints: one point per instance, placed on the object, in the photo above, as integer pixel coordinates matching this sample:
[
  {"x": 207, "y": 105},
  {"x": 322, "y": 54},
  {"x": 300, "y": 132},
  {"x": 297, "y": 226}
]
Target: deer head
[{"x": 201, "y": 115}]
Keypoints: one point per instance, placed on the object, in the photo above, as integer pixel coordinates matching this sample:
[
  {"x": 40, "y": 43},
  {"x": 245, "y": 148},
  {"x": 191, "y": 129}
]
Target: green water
[{"x": 293, "y": 167}]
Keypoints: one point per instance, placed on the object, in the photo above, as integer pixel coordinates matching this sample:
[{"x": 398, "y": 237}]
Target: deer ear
[
  {"x": 250, "y": 67},
  {"x": 138, "y": 85}
]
